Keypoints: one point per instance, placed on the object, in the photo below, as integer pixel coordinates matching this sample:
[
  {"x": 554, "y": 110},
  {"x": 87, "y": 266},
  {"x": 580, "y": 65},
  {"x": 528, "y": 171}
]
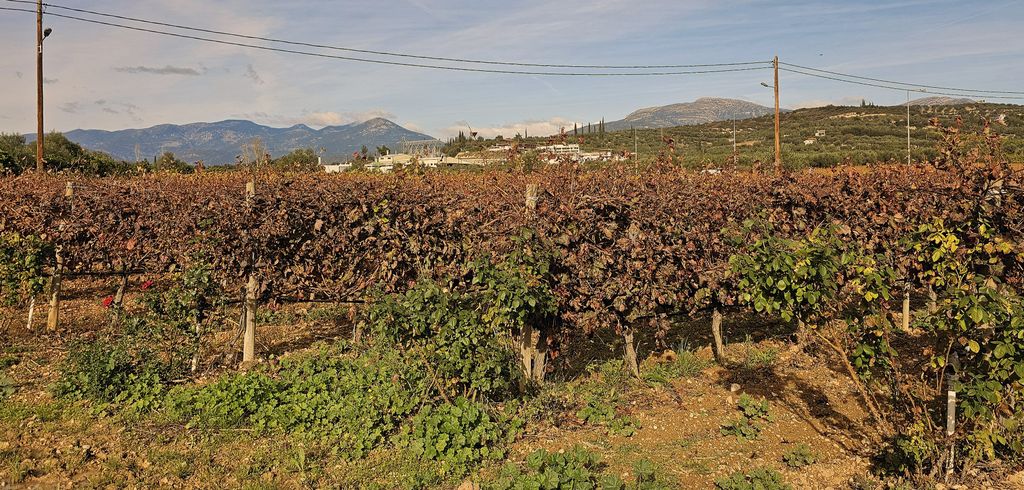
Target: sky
[{"x": 100, "y": 77}]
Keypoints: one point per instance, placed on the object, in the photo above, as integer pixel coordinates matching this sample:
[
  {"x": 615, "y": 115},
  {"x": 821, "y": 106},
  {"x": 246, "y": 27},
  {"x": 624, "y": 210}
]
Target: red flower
[
  {"x": 146, "y": 285},
  {"x": 109, "y": 300}
]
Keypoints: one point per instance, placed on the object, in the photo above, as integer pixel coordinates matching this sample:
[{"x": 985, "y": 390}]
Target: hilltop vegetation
[{"x": 859, "y": 135}]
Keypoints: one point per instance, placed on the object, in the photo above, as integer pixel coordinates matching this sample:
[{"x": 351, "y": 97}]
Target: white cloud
[
  {"x": 316, "y": 119},
  {"x": 534, "y": 127}
]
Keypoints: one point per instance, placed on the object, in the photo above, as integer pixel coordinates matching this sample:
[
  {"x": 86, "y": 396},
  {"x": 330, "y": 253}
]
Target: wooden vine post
[
  {"x": 121, "y": 287},
  {"x": 532, "y": 345},
  {"x": 716, "y": 332},
  {"x": 630, "y": 355},
  {"x": 249, "y": 337},
  {"x": 906, "y": 310},
  {"x": 53, "y": 317}
]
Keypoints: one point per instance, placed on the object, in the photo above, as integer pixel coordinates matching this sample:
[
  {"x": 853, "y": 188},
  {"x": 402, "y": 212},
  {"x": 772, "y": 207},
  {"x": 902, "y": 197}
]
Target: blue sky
[{"x": 105, "y": 78}]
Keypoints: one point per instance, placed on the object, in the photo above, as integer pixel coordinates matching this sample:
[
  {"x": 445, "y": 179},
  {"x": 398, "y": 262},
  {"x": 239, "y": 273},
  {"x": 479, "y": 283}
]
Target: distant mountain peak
[
  {"x": 700, "y": 111},
  {"x": 941, "y": 100}
]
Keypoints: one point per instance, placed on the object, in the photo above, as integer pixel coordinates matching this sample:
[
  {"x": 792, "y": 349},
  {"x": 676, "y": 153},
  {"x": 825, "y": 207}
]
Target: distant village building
[
  {"x": 819, "y": 133},
  {"x": 336, "y": 167},
  {"x": 809, "y": 141}
]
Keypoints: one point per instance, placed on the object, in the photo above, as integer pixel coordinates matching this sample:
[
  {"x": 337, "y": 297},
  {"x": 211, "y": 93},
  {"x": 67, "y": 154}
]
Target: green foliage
[
  {"x": 981, "y": 319},
  {"x": 515, "y": 289},
  {"x": 131, "y": 369},
  {"x": 760, "y": 357},
  {"x": 352, "y": 402},
  {"x": 576, "y": 468},
  {"x": 448, "y": 331},
  {"x": 801, "y": 455},
  {"x": 647, "y": 477},
  {"x": 15, "y": 154},
  {"x": 811, "y": 279},
  {"x": 168, "y": 162},
  {"x": 460, "y": 435},
  {"x": 758, "y": 479},
  {"x": 176, "y": 319},
  {"x": 120, "y": 372},
  {"x": 6, "y": 385},
  {"x": 230, "y": 402},
  {"x": 685, "y": 364},
  {"x": 22, "y": 263},
  {"x": 300, "y": 160},
  {"x": 754, "y": 414},
  {"x": 600, "y": 410},
  {"x": 910, "y": 452}
]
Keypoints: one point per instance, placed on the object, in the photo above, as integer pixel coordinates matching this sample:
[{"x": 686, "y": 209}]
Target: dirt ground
[{"x": 45, "y": 443}]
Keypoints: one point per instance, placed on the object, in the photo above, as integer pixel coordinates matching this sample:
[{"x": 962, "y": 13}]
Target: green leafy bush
[
  {"x": 352, "y": 402},
  {"x": 232, "y": 401},
  {"x": 799, "y": 456},
  {"x": 113, "y": 372},
  {"x": 22, "y": 262},
  {"x": 177, "y": 318},
  {"x": 460, "y": 435},
  {"x": 447, "y": 331},
  {"x": 758, "y": 479},
  {"x": 571, "y": 469}
]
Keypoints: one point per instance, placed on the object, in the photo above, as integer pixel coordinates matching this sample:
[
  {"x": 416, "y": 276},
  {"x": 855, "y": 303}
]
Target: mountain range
[
  {"x": 700, "y": 111},
  {"x": 220, "y": 142}
]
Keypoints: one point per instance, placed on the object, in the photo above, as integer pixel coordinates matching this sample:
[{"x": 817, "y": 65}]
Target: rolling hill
[{"x": 701, "y": 111}]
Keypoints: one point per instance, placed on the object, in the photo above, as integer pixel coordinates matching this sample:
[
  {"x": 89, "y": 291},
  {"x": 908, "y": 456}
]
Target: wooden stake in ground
[
  {"x": 53, "y": 317},
  {"x": 121, "y": 287},
  {"x": 249, "y": 337},
  {"x": 630, "y": 355},
  {"x": 31, "y": 311},
  {"x": 906, "y": 311},
  {"x": 716, "y": 332},
  {"x": 529, "y": 336}
]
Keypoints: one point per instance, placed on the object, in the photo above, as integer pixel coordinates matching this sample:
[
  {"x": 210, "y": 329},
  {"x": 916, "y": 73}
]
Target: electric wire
[
  {"x": 901, "y": 83},
  {"x": 397, "y": 63},
  {"x": 901, "y": 89},
  {"x": 388, "y": 53}
]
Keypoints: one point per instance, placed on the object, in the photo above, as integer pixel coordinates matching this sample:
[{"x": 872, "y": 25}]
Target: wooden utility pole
[
  {"x": 908, "y": 127},
  {"x": 39, "y": 86},
  {"x": 778, "y": 142}
]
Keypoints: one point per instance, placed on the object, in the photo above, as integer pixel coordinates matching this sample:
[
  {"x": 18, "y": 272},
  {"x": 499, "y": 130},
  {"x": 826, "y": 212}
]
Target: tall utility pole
[
  {"x": 778, "y": 142},
  {"x": 734, "y": 155},
  {"x": 636, "y": 147},
  {"x": 908, "y": 127},
  {"x": 39, "y": 85}
]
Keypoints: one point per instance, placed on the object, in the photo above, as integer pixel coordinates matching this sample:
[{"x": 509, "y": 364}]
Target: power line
[
  {"x": 902, "y": 89},
  {"x": 389, "y": 53},
  {"x": 903, "y": 83},
  {"x": 396, "y": 63}
]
